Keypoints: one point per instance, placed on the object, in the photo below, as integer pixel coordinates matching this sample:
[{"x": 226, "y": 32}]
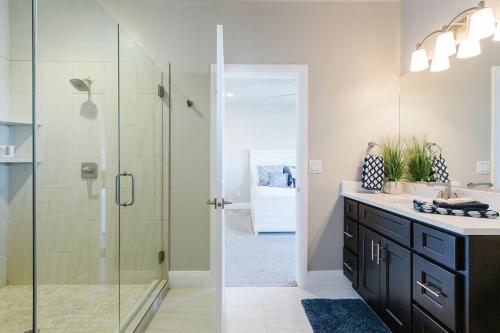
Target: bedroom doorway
[{"x": 264, "y": 159}]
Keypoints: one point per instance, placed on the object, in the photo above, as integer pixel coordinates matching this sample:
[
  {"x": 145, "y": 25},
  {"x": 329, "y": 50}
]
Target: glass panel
[
  {"x": 16, "y": 218},
  {"x": 77, "y": 142},
  {"x": 141, "y": 150}
]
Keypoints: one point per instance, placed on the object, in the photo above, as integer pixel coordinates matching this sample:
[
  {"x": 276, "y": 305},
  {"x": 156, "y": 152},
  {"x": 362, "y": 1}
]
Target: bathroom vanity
[{"x": 422, "y": 272}]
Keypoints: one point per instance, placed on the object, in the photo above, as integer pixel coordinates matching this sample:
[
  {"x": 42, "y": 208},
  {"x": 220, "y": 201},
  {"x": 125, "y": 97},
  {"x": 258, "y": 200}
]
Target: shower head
[{"x": 81, "y": 85}]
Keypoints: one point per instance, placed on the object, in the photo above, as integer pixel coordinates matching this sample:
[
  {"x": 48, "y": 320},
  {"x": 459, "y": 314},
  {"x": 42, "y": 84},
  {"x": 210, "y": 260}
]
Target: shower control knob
[{"x": 88, "y": 170}]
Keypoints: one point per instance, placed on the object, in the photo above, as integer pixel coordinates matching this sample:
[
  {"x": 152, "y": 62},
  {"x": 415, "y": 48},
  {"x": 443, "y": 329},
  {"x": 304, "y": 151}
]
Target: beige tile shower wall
[{"x": 78, "y": 219}]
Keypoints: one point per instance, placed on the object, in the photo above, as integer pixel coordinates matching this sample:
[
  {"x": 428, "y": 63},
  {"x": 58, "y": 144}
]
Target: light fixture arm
[
  {"x": 419, "y": 45},
  {"x": 480, "y": 5}
]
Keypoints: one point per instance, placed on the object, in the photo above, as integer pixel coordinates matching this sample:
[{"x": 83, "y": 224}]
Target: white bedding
[
  {"x": 272, "y": 192},
  {"x": 273, "y": 208}
]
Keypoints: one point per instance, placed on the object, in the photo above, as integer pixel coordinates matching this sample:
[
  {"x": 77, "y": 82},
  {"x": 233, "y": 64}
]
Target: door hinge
[
  {"x": 161, "y": 91},
  {"x": 161, "y": 257}
]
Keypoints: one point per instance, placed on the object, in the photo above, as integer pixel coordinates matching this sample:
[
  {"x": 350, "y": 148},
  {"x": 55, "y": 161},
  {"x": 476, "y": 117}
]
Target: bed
[{"x": 273, "y": 208}]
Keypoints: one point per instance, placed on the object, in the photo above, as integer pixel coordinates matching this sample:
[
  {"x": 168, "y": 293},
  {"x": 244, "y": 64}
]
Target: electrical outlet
[
  {"x": 483, "y": 167},
  {"x": 315, "y": 166}
]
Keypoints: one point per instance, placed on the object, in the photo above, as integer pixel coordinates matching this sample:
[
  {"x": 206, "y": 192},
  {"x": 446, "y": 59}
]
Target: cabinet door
[
  {"x": 395, "y": 286},
  {"x": 369, "y": 266}
]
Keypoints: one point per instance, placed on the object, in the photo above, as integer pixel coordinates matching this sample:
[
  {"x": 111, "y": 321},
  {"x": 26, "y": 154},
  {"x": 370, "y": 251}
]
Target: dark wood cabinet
[
  {"x": 395, "y": 286},
  {"x": 384, "y": 279},
  {"x": 369, "y": 266},
  {"x": 351, "y": 267},
  {"x": 351, "y": 235},
  {"x": 419, "y": 278},
  {"x": 422, "y": 323},
  {"x": 395, "y": 227}
]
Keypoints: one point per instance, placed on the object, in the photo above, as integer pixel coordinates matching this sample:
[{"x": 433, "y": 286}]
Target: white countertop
[{"x": 403, "y": 205}]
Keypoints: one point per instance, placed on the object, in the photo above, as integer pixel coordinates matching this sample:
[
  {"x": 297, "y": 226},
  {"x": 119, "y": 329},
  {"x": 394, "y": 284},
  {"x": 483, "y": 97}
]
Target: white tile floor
[{"x": 247, "y": 310}]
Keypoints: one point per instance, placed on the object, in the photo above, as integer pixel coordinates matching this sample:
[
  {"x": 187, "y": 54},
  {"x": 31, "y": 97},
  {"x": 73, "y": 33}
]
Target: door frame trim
[{"x": 300, "y": 73}]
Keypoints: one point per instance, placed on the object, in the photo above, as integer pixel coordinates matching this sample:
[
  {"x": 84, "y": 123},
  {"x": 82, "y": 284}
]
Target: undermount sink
[{"x": 400, "y": 200}]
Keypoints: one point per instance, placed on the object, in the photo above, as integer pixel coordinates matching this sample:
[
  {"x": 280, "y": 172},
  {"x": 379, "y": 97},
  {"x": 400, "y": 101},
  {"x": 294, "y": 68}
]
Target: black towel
[
  {"x": 372, "y": 177},
  {"x": 473, "y": 205}
]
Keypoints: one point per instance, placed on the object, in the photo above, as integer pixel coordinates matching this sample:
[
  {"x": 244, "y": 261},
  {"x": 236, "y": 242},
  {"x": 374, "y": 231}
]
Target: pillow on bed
[
  {"x": 279, "y": 180},
  {"x": 266, "y": 172},
  {"x": 291, "y": 171}
]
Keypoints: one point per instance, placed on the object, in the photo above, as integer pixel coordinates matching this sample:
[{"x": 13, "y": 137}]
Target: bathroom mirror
[{"x": 459, "y": 110}]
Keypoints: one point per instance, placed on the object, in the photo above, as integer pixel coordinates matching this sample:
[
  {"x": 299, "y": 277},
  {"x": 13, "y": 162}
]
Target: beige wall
[{"x": 353, "y": 55}]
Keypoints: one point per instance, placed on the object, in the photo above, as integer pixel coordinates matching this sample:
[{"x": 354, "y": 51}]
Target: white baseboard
[
  {"x": 330, "y": 279},
  {"x": 190, "y": 279},
  {"x": 239, "y": 205}
]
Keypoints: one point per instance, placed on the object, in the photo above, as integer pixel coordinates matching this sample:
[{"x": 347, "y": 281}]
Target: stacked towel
[
  {"x": 432, "y": 208},
  {"x": 469, "y": 205},
  {"x": 373, "y": 173}
]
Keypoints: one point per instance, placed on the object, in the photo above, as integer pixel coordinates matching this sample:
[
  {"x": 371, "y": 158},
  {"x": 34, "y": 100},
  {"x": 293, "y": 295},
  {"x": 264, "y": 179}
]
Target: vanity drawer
[
  {"x": 422, "y": 323},
  {"x": 350, "y": 266},
  {"x": 351, "y": 235},
  {"x": 436, "y": 245},
  {"x": 389, "y": 225},
  {"x": 351, "y": 209},
  {"x": 435, "y": 290}
]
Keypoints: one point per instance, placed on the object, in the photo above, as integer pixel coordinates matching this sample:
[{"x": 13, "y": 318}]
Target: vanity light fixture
[
  {"x": 440, "y": 62},
  {"x": 482, "y": 22},
  {"x": 445, "y": 44},
  {"x": 468, "y": 48},
  {"x": 482, "y": 25},
  {"x": 419, "y": 60},
  {"x": 496, "y": 36}
]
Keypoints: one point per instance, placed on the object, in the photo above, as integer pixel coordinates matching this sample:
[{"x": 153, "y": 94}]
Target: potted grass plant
[
  {"x": 418, "y": 160},
  {"x": 394, "y": 165}
]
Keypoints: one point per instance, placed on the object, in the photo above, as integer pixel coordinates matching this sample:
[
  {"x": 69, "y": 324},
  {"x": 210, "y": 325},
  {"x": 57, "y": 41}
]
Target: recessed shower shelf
[
  {"x": 16, "y": 160},
  {"x": 16, "y": 122}
]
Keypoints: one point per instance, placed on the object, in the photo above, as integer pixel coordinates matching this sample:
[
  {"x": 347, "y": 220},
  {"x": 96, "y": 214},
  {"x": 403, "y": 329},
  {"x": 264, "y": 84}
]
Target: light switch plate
[
  {"x": 315, "y": 166},
  {"x": 483, "y": 167}
]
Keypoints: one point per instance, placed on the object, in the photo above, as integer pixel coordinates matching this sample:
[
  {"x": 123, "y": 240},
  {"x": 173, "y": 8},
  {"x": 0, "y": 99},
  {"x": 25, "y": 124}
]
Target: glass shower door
[
  {"x": 141, "y": 123},
  {"x": 77, "y": 219}
]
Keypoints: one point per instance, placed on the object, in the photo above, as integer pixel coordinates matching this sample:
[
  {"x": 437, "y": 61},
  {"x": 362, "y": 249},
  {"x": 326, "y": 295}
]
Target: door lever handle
[
  {"x": 213, "y": 203},
  {"x": 224, "y": 202}
]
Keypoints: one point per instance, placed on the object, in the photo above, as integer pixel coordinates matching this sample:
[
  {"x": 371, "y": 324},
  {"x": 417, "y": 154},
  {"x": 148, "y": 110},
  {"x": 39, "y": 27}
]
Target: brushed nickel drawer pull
[
  {"x": 427, "y": 287},
  {"x": 348, "y": 235},
  {"x": 348, "y": 267}
]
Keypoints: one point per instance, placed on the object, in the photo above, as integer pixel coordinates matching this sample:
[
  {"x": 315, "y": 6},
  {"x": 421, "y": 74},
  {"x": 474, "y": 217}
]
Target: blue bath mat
[{"x": 342, "y": 316}]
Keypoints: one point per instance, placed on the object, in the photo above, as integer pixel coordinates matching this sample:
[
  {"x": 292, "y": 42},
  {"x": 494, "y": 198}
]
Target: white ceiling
[{"x": 260, "y": 91}]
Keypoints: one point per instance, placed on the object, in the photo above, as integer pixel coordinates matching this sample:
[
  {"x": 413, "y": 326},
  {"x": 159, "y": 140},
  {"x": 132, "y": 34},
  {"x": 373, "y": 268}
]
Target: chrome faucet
[
  {"x": 472, "y": 185},
  {"x": 446, "y": 191}
]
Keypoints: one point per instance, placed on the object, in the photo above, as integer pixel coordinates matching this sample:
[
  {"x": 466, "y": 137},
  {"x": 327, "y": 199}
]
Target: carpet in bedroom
[{"x": 256, "y": 261}]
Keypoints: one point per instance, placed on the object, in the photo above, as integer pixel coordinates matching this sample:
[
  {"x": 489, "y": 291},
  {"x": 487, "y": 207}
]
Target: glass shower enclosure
[{"x": 83, "y": 162}]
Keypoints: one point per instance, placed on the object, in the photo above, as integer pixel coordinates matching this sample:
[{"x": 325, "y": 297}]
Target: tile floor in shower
[{"x": 67, "y": 308}]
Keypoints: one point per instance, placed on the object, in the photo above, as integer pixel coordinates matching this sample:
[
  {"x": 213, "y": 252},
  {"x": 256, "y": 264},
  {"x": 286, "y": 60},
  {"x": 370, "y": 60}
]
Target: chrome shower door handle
[{"x": 118, "y": 189}]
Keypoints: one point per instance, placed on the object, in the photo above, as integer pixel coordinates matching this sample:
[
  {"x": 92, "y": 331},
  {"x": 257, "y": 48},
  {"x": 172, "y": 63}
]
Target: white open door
[{"x": 217, "y": 169}]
